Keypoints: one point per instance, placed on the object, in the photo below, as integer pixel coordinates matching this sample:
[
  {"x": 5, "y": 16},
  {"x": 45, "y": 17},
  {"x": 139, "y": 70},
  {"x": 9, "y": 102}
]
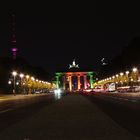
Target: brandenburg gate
[{"x": 74, "y": 79}]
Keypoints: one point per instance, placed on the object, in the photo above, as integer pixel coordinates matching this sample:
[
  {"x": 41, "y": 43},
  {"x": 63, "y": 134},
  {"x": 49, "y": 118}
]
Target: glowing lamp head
[
  {"x": 33, "y": 78},
  {"x": 9, "y": 82},
  {"x": 27, "y": 76},
  {"x": 121, "y": 74},
  {"x": 135, "y": 69},
  {"x": 21, "y": 75},
  {"x": 14, "y": 73},
  {"x": 127, "y": 72},
  {"x": 17, "y": 83},
  {"x": 132, "y": 79}
]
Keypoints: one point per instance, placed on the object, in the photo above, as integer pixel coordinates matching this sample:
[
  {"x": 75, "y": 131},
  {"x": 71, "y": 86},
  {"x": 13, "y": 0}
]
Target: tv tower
[{"x": 13, "y": 38}]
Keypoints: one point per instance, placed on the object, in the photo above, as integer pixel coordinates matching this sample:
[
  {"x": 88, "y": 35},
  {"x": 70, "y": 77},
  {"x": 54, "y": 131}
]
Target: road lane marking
[
  {"x": 5, "y": 111},
  {"x": 121, "y": 99},
  {"x": 125, "y": 99}
]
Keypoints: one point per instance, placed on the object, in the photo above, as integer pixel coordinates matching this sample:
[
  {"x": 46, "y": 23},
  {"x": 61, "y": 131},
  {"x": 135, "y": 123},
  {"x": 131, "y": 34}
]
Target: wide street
[
  {"x": 74, "y": 116},
  {"x": 15, "y": 108},
  {"x": 123, "y": 108}
]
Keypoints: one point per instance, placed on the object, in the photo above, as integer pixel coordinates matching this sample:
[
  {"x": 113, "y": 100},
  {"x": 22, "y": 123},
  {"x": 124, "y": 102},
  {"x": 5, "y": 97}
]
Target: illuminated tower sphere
[
  {"x": 14, "y": 52},
  {"x": 13, "y": 39}
]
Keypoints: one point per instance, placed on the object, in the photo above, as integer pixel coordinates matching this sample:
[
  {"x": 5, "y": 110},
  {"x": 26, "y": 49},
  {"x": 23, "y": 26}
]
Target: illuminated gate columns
[
  {"x": 79, "y": 83},
  {"x": 68, "y": 80},
  {"x": 74, "y": 79},
  {"x": 85, "y": 81},
  {"x": 64, "y": 81},
  {"x": 70, "y": 83}
]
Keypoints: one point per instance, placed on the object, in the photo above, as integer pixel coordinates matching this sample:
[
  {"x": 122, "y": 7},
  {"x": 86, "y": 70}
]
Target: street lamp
[
  {"x": 121, "y": 74},
  {"x": 132, "y": 79},
  {"x": 27, "y": 83},
  {"x": 27, "y": 76},
  {"x": 113, "y": 77},
  {"x": 14, "y": 73},
  {"x": 135, "y": 75},
  {"x": 9, "y": 82},
  {"x": 135, "y": 70},
  {"x": 33, "y": 84},
  {"x": 32, "y": 78},
  {"x": 127, "y": 72},
  {"x": 21, "y": 77},
  {"x": 17, "y": 83}
]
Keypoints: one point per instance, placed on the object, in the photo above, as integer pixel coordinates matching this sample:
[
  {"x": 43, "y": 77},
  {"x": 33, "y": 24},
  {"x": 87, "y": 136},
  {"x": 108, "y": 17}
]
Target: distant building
[{"x": 74, "y": 78}]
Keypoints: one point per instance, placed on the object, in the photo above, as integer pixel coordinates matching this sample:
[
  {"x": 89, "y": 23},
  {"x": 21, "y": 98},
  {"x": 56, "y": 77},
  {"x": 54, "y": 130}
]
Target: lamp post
[
  {"x": 27, "y": 84},
  {"x": 32, "y": 84},
  {"x": 14, "y": 73},
  {"x": 121, "y": 78},
  {"x": 127, "y": 77},
  {"x": 21, "y": 77},
  {"x": 135, "y": 75}
]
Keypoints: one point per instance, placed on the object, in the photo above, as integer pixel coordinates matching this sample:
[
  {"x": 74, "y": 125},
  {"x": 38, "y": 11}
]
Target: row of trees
[
  {"x": 27, "y": 84},
  {"x": 7, "y": 65},
  {"x": 126, "y": 60},
  {"x": 127, "y": 78}
]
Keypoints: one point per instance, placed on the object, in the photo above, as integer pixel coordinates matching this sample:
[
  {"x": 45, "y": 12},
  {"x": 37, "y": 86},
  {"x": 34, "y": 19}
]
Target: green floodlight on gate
[
  {"x": 58, "y": 74},
  {"x": 90, "y": 74}
]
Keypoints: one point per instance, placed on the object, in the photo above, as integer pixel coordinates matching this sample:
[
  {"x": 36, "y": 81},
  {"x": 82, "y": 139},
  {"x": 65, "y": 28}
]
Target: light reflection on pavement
[{"x": 11, "y": 102}]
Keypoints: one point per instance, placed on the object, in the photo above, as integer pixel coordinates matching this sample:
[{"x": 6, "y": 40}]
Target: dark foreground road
[
  {"x": 15, "y": 109},
  {"x": 73, "y": 117},
  {"x": 123, "y": 110}
]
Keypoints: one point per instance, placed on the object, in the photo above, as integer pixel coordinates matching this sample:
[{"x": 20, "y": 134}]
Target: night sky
[{"x": 52, "y": 39}]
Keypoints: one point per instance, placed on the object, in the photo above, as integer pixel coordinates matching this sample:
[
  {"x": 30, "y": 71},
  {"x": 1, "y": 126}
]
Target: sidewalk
[
  {"x": 7, "y": 97},
  {"x": 71, "y": 118}
]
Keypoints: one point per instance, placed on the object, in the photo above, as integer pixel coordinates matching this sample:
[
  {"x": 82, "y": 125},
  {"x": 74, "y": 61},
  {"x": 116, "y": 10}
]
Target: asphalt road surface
[
  {"x": 72, "y": 117},
  {"x": 18, "y": 108},
  {"x": 123, "y": 109}
]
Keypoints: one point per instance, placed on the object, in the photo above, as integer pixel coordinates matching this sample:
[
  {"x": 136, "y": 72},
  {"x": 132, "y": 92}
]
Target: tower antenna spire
[{"x": 13, "y": 38}]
